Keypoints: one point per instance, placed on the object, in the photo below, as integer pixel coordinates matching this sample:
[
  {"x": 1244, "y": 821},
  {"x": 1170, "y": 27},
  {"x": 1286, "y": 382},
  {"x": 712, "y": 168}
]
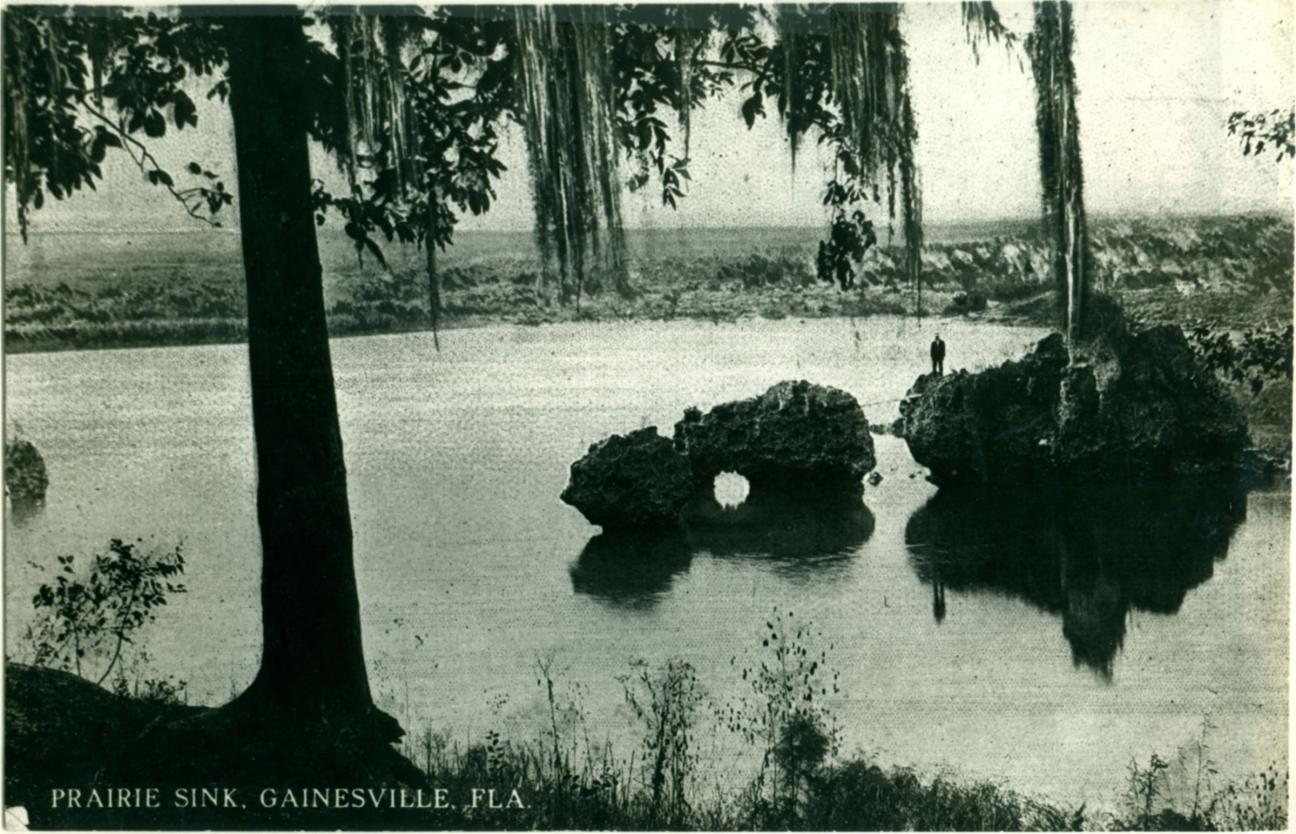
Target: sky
[{"x": 1156, "y": 82}]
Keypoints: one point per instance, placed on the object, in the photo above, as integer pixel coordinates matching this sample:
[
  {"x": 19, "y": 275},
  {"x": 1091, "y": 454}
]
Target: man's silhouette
[{"x": 938, "y": 356}]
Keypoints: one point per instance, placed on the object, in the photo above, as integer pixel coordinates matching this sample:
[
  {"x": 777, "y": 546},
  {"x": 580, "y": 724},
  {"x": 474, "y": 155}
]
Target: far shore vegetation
[
  {"x": 1225, "y": 280},
  {"x": 1229, "y": 273}
]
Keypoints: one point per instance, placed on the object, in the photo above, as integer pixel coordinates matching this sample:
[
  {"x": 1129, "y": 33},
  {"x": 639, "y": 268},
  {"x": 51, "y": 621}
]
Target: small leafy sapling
[
  {"x": 1146, "y": 786},
  {"x": 86, "y": 620},
  {"x": 786, "y": 714}
]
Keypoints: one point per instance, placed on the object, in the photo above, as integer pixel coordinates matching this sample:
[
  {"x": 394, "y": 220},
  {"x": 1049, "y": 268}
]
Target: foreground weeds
[
  {"x": 793, "y": 776},
  {"x": 782, "y": 768}
]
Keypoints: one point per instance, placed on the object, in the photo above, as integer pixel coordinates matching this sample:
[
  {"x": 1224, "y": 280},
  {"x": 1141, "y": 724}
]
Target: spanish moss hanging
[
  {"x": 845, "y": 70},
  {"x": 687, "y": 40},
  {"x": 379, "y": 121},
  {"x": 870, "y": 84},
  {"x": 380, "y": 126},
  {"x": 565, "y": 102},
  {"x": 1061, "y": 176}
]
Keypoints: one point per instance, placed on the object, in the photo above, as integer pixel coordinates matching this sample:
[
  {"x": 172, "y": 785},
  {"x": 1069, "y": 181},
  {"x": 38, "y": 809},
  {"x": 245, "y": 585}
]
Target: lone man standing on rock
[{"x": 938, "y": 356}]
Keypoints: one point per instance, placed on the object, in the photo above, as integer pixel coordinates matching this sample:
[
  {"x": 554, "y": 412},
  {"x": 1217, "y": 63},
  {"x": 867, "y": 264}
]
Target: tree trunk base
[{"x": 66, "y": 734}]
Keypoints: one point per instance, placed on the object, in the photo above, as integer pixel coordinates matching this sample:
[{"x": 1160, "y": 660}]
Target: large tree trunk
[{"x": 312, "y": 661}]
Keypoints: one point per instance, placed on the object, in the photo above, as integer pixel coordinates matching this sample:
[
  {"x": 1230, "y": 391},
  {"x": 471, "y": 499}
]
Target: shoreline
[
  {"x": 1231, "y": 272},
  {"x": 1266, "y": 414},
  {"x": 182, "y": 333}
]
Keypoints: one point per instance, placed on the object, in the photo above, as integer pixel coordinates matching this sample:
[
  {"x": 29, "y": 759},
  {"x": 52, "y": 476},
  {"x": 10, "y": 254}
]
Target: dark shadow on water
[
  {"x": 631, "y": 569},
  {"x": 23, "y": 510},
  {"x": 1089, "y": 555},
  {"x": 797, "y": 537}
]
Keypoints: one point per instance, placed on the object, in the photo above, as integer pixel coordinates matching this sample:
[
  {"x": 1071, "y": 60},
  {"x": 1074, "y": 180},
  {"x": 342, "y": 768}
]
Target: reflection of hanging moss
[{"x": 565, "y": 99}]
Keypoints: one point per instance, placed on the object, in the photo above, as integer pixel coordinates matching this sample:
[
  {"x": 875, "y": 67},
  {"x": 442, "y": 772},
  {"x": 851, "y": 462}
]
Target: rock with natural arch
[{"x": 794, "y": 437}]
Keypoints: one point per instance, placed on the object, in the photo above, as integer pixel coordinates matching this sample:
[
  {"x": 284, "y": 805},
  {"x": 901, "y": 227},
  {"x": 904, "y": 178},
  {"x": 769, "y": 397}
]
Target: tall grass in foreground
[
  {"x": 794, "y": 776},
  {"x": 599, "y": 789}
]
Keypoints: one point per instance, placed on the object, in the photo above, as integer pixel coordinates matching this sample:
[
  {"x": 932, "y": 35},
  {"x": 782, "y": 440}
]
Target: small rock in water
[
  {"x": 26, "y": 478},
  {"x": 874, "y": 478}
]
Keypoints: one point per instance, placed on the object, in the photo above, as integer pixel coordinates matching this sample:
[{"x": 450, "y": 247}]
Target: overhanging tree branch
[{"x": 190, "y": 198}]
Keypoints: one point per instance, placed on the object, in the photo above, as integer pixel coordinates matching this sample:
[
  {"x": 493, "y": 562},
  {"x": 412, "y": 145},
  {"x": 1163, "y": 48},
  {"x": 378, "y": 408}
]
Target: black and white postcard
[{"x": 820, "y": 416}]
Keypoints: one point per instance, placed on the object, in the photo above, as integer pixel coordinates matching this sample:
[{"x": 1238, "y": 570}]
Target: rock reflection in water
[
  {"x": 1088, "y": 554},
  {"x": 24, "y": 510},
  {"x": 798, "y": 533},
  {"x": 798, "y": 537},
  {"x": 631, "y": 568}
]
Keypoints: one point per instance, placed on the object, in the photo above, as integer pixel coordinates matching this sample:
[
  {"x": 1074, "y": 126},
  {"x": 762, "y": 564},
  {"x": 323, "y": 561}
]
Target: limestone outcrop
[
  {"x": 796, "y": 439},
  {"x": 794, "y": 435},
  {"x": 26, "y": 478},
  {"x": 1132, "y": 404},
  {"x": 632, "y": 481}
]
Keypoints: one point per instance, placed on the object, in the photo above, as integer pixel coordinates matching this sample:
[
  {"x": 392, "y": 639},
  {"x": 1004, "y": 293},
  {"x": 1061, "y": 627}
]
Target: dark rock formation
[
  {"x": 794, "y": 435},
  {"x": 637, "y": 480},
  {"x": 796, "y": 443},
  {"x": 1131, "y": 404},
  {"x": 26, "y": 478}
]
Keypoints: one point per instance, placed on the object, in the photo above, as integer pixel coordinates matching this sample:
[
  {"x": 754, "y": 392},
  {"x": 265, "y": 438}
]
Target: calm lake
[{"x": 1040, "y": 640}]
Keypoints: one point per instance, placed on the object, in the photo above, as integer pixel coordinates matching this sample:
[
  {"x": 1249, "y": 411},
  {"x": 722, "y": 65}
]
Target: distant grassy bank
[
  {"x": 1227, "y": 273},
  {"x": 1232, "y": 272}
]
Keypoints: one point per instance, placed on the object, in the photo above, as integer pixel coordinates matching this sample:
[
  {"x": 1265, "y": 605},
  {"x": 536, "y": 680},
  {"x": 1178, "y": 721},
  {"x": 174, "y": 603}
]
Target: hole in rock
[{"x": 731, "y": 489}]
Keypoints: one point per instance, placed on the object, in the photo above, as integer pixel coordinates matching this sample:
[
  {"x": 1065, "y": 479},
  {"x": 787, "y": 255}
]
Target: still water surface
[{"x": 997, "y": 635}]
